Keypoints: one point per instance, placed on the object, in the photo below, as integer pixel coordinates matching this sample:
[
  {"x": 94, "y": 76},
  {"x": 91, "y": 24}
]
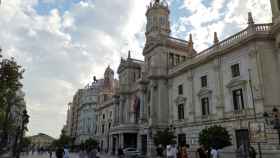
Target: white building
[
  {"x": 86, "y": 112},
  {"x": 228, "y": 84},
  {"x": 232, "y": 83}
]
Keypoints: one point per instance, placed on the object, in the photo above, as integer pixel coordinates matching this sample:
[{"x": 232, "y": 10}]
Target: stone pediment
[
  {"x": 204, "y": 91},
  {"x": 180, "y": 100},
  {"x": 235, "y": 83}
]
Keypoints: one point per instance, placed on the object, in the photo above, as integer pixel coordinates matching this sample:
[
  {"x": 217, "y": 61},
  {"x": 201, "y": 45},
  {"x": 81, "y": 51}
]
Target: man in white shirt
[{"x": 214, "y": 153}]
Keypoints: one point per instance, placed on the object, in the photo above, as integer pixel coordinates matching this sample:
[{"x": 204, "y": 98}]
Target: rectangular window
[
  {"x": 183, "y": 58},
  {"x": 238, "y": 101},
  {"x": 177, "y": 60},
  {"x": 235, "y": 71},
  {"x": 171, "y": 59},
  {"x": 203, "y": 81},
  {"x": 278, "y": 4},
  {"x": 181, "y": 111},
  {"x": 180, "y": 89},
  {"x": 103, "y": 128},
  {"x": 205, "y": 106}
]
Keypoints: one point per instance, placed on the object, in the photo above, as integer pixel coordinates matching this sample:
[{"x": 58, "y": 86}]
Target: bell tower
[{"x": 157, "y": 19}]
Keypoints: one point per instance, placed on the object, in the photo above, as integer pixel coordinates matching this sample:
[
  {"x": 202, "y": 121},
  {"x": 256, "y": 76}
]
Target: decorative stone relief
[
  {"x": 204, "y": 92},
  {"x": 180, "y": 100},
  {"x": 235, "y": 83}
]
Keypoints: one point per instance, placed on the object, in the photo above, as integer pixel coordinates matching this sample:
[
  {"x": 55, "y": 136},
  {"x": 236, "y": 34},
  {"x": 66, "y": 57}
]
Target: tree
[
  {"x": 215, "y": 136},
  {"x": 164, "y": 137},
  {"x": 63, "y": 140},
  {"x": 26, "y": 142},
  {"x": 11, "y": 75},
  {"x": 90, "y": 144}
]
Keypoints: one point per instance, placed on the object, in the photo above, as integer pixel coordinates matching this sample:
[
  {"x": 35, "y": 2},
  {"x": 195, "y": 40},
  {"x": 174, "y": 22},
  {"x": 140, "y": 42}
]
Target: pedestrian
[
  {"x": 160, "y": 151},
  {"x": 82, "y": 153},
  {"x": 168, "y": 151},
  {"x": 92, "y": 153},
  {"x": 66, "y": 152},
  {"x": 241, "y": 153},
  {"x": 120, "y": 153},
  {"x": 201, "y": 152},
  {"x": 252, "y": 152},
  {"x": 59, "y": 152},
  {"x": 184, "y": 151},
  {"x": 214, "y": 152},
  {"x": 50, "y": 153}
]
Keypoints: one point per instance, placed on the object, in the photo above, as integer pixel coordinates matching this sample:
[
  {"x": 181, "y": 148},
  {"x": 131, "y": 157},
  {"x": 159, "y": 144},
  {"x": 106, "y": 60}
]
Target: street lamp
[{"x": 275, "y": 120}]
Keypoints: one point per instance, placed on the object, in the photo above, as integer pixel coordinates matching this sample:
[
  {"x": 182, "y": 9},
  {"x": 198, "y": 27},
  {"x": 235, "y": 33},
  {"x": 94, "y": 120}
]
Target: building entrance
[
  {"x": 144, "y": 143},
  {"x": 130, "y": 140},
  {"x": 242, "y": 141}
]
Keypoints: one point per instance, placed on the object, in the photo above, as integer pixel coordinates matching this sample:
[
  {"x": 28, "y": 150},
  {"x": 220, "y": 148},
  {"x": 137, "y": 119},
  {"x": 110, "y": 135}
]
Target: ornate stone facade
[
  {"x": 232, "y": 83},
  {"x": 228, "y": 84}
]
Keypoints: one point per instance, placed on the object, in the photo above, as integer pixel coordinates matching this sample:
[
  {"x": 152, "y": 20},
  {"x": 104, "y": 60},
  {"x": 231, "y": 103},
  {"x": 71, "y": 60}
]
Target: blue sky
[{"x": 63, "y": 43}]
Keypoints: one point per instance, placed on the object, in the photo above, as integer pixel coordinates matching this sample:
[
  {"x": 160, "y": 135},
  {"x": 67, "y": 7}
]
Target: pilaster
[
  {"x": 190, "y": 78},
  {"x": 219, "y": 96}
]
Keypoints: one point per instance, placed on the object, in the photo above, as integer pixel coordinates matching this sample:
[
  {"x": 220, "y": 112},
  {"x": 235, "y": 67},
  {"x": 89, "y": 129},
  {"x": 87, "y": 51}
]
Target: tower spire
[
  {"x": 250, "y": 19},
  {"x": 129, "y": 55},
  {"x": 190, "y": 42},
  {"x": 216, "y": 39}
]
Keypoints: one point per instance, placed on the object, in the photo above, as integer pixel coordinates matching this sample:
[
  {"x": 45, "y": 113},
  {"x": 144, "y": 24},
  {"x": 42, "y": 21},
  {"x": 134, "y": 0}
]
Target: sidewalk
[{"x": 107, "y": 156}]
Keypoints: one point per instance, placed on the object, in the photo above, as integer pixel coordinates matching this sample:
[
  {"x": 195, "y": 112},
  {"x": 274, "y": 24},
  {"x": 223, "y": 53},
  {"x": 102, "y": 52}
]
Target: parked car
[{"x": 131, "y": 153}]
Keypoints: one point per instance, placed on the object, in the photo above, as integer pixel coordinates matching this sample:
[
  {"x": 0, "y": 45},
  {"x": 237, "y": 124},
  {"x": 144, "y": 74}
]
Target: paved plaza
[{"x": 47, "y": 156}]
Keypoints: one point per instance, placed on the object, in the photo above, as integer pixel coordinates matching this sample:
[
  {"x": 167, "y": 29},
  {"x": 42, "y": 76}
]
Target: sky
[{"x": 62, "y": 44}]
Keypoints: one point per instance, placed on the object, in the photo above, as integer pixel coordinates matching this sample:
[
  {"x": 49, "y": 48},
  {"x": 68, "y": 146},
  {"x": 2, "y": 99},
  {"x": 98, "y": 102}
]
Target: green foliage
[
  {"x": 90, "y": 144},
  {"x": 26, "y": 142},
  {"x": 63, "y": 140},
  {"x": 11, "y": 75},
  {"x": 215, "y": 137},
  {"x": 164, "y": 137}
]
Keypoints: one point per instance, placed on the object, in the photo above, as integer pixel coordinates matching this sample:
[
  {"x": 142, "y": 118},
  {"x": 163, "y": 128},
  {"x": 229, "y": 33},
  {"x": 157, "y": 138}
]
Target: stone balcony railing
[{"x": 246, "y": 34}]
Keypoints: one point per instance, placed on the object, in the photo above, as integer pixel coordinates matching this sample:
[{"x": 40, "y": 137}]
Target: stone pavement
[{"x": 71, "y": 156}]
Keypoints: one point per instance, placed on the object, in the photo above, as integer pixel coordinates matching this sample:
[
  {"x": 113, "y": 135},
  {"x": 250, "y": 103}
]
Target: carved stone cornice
[
  {"x": 180, "y": 100},
  {"x": 235, "y": 83},
  {"x": 204, "y": 91}
]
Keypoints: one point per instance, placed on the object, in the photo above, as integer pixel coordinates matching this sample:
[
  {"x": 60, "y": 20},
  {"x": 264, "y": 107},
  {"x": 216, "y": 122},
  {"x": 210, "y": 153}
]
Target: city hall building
[{"x": 232, "y": 84}]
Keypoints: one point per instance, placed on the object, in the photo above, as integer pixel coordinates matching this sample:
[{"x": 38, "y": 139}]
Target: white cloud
[
  {"x": 223, "y": 16},
  {"x": 61, "y": 51}
]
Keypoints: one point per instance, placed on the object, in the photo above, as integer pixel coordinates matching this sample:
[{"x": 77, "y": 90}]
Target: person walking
[
  {"x": 66, "y": 152},
  {"x": 168, "y": 151},
  {"x": 201, "y": 152},
  {"x": 92, "y": 153},
  {"x": 59, "y": 152},
  {"x": 252, "y": 152},
  {"x": 120, "y": 153},
  {"x": 214, "y": 152},
  {"x": 184, "y": 151},
  {"x": 82, "y": 153},
  {"x": 50, "y": 153}
]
